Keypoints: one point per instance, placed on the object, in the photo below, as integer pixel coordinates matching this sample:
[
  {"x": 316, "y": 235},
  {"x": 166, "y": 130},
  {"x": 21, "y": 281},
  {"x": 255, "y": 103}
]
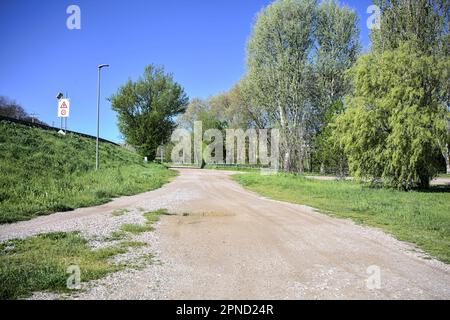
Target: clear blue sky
[{"x": 202, "y": 42}]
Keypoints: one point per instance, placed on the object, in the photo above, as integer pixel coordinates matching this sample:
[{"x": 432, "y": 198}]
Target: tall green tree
[
  {"x": 423, "y": 23},
  {"x": 337, "y": 38},
  {"x": 147, "y": 109},
  {"x": 395, "y": 120},
  {"x": 298, "y": 54},
  {"x": 278, "y": 54}
]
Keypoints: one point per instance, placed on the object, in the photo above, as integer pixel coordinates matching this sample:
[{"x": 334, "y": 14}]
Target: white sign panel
[{"x": 63, "y": 108}]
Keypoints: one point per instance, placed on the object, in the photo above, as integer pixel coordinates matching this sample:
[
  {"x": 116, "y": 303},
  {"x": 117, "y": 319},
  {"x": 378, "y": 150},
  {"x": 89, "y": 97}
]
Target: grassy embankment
[
  {"x": 419, "y": 217},
  {"x": 44, "y": 172}
]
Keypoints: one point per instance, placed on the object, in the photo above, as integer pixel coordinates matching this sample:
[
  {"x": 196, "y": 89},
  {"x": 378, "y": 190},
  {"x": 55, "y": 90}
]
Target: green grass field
[
  {"x": 44, "y": 172},
  {"x": 422, "y": 218},
  {"x": 41, "y": 263}
]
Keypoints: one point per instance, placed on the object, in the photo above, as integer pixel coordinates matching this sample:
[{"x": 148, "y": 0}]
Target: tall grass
[
  {"x": 43, "y": 172},
  {"x": 419, "y": 217}
]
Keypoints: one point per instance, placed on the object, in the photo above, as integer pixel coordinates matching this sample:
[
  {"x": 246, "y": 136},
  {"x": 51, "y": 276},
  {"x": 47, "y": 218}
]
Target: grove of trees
[
  {"x": 11, "y": 109},
  {"x": 382, "y": 116},
  {"x": 297, "y": 57}
]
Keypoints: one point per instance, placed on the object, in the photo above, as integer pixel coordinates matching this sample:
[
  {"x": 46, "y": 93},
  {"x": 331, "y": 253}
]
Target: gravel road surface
[{"x": 228, "y": 243}]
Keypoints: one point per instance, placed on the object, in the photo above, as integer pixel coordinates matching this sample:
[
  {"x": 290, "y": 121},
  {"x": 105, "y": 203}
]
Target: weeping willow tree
[
  {"x": 393, "y": 126},
  {"x": 424, "y": 24},
  {"x": 396, "y": 122}
]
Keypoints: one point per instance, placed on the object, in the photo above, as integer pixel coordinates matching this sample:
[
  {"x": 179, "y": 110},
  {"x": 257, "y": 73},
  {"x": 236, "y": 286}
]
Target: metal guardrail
[{"x": 46, "y": 127}]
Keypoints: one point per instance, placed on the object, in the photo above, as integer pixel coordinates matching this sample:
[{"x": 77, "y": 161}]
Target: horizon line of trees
[
  {"x": 380, "y": 116},
  {"x": 11, "y": 109}
]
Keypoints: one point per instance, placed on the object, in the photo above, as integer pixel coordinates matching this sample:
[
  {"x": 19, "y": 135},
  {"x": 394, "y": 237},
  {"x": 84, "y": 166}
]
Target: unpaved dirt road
[{"x": 229, "y": 243}]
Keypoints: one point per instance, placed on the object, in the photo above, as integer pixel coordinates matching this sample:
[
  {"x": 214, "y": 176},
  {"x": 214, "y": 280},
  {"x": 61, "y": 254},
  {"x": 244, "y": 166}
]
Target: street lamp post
[{"x": 97, "y": 163}]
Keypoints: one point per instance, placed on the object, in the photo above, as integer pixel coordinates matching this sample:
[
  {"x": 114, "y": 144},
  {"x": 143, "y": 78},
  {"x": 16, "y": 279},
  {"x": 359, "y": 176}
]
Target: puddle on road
[
  {"x": 199, "y": 217},
  {"x": 206, "y": 214}
]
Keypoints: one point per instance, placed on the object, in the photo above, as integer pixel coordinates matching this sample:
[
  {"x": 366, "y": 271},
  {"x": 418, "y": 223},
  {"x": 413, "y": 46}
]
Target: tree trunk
[
  {"x": 284, "y": 130},
  {"x": 424, "y": 182},
  {"x": 302, "y": 149},
  {"x": 301, "y": 167},
  {"x": 341, "y": 166},
  {"x": 287, "y": 161},
  {"x": 322, "y": 167},
  {"x": 447, "y": 159}
]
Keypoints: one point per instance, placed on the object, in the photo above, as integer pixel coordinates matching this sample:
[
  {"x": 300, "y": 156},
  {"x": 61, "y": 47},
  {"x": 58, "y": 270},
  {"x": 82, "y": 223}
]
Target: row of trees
[
  {"x": 11, "y": 109},
  {"x": 297, "y": 57},
  {"x": 382, "y": 116}
]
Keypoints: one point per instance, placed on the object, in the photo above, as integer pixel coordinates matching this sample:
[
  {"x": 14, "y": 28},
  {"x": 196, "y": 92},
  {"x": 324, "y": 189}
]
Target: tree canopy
[
  {"x": 147, "y": 109},
  {"x": 383, "y": 116},
  {"x": 395, "y": 122},
  {"x": 424, "y": 23},
  {"x": 396, "y": 125},
  {"x": 297, "y": 56}
]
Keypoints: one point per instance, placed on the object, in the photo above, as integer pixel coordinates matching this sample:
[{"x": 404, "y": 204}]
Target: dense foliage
[
  {"x": 146, "y": 109},
  {"x": 382, "y": 116},
  {"x": 395, "y": 121}
]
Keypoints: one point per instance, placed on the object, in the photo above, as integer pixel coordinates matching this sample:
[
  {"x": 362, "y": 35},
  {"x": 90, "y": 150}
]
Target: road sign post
[
  {"x": 63, "y": 108},
  {"x": 63, "y": 111}
]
